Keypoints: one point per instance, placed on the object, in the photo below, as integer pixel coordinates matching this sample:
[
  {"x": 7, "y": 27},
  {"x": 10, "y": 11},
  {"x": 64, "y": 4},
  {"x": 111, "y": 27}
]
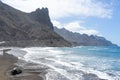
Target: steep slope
[
  {"x": 27, "y": 29},
  {"x": 83, "y": 39},
  {"x": 42, "y": 16}
]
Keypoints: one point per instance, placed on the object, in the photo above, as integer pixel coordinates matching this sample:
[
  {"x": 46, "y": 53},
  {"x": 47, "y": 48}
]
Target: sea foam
[{"x": 72, "y": 63}]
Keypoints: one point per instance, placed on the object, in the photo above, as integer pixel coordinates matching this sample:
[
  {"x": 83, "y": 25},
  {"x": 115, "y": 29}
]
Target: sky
[{"x": 92, "y": 17}]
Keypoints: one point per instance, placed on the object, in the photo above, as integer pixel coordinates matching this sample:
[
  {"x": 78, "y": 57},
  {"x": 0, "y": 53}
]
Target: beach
[
  {"x": 49, "y": 63},
  {"x": 9, "y": 62}
]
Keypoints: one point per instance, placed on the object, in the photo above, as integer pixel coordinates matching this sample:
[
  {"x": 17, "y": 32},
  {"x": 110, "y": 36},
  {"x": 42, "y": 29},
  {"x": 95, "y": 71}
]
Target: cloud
[
  {"x": 76, "y": 27},
  {"x": 65, "y": 8},
  {"x": 57, "y": 24}
]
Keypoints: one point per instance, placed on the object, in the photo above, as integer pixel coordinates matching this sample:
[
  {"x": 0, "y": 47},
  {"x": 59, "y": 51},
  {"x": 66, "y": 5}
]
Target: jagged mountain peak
[
  {"x": 18, "y": 28},
  {"x": 45, "y": 10},
  {"x": 42, "y": 16}
]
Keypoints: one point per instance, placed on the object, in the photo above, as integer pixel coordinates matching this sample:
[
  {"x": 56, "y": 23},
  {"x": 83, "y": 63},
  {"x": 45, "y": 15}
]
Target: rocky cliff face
[
  {"x": 83, "y": 39},
  {"x": 42, "y": 16},
  {"x": 27, "y": 29}
]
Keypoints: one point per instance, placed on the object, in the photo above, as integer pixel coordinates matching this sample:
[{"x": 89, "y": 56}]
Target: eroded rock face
[{"x": 42, "y": 16}]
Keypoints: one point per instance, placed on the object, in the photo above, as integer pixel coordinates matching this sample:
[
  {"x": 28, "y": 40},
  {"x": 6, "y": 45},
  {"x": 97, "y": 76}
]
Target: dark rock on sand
[
  {"x": 9, "y": 70},
  {"x": 6, "y": 63},
  {"x": 16, "y": 71}
]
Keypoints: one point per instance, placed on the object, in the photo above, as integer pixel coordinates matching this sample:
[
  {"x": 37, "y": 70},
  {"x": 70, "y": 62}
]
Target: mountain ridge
[
  {"x": 18, "y": 28},
  {"x": 78, "y": 39}
]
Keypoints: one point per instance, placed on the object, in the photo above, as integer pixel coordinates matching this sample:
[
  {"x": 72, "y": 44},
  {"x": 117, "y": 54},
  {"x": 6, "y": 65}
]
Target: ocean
[{"x": 72, "y": 63}]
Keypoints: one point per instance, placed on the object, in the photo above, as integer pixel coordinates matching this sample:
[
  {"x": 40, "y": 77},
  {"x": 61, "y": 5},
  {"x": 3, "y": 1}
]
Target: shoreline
[
  {"x": 8, "y": 62},
  {"x": 30, "y": 70}
]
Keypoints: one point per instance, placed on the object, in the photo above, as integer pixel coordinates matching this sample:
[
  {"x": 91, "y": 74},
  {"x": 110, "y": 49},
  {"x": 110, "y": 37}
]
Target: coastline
[
  {"x": 31, "y": 71},
  {"x": 8, "y": 62}
]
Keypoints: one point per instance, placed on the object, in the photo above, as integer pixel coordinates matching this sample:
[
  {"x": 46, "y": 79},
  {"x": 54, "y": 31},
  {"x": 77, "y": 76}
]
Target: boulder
[{"x": 16, "y": 71}]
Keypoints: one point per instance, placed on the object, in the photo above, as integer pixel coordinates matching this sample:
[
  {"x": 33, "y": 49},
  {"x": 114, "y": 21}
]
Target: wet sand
[
  {"x": 8, "y": 62},
  {"x": 30, "y": 71}
]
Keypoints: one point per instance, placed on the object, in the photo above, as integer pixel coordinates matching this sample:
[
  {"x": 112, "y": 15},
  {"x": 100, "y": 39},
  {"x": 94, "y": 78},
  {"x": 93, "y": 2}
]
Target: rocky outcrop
[
  {"x": 42, "y": 16},
  {"x": 83, "y": 39},
  {"x": 18, "y": 28}
]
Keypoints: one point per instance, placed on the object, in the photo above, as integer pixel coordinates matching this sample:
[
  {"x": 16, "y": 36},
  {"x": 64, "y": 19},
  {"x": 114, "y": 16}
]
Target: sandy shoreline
[
  {"x": 7, "y": 63},
  {"x": 30, "y": 71}
]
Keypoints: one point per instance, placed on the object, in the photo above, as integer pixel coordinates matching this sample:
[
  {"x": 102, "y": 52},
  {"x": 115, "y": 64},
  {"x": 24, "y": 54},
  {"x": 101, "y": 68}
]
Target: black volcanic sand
[{"x": 9, "y": 62}]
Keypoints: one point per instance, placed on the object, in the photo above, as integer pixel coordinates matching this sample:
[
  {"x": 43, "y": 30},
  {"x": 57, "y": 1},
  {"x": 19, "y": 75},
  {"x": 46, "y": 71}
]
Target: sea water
[{"x": 70, "y": 63}]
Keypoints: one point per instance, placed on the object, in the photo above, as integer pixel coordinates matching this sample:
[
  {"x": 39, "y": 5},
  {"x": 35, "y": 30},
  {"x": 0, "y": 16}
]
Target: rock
[
  {"x": 42, "y": 16},
  {"x": 16, "y": 71}
]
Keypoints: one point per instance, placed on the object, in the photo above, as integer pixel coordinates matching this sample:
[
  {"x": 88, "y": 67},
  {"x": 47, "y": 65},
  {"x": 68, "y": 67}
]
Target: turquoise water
[
  {"x": 97, "y": 55},
  {"x": 104, "y": 59},
  {"x": 71, "y": 63}
]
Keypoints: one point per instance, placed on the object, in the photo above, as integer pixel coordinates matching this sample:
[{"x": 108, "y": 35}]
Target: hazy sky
[{"x": 97, "y": 17}]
